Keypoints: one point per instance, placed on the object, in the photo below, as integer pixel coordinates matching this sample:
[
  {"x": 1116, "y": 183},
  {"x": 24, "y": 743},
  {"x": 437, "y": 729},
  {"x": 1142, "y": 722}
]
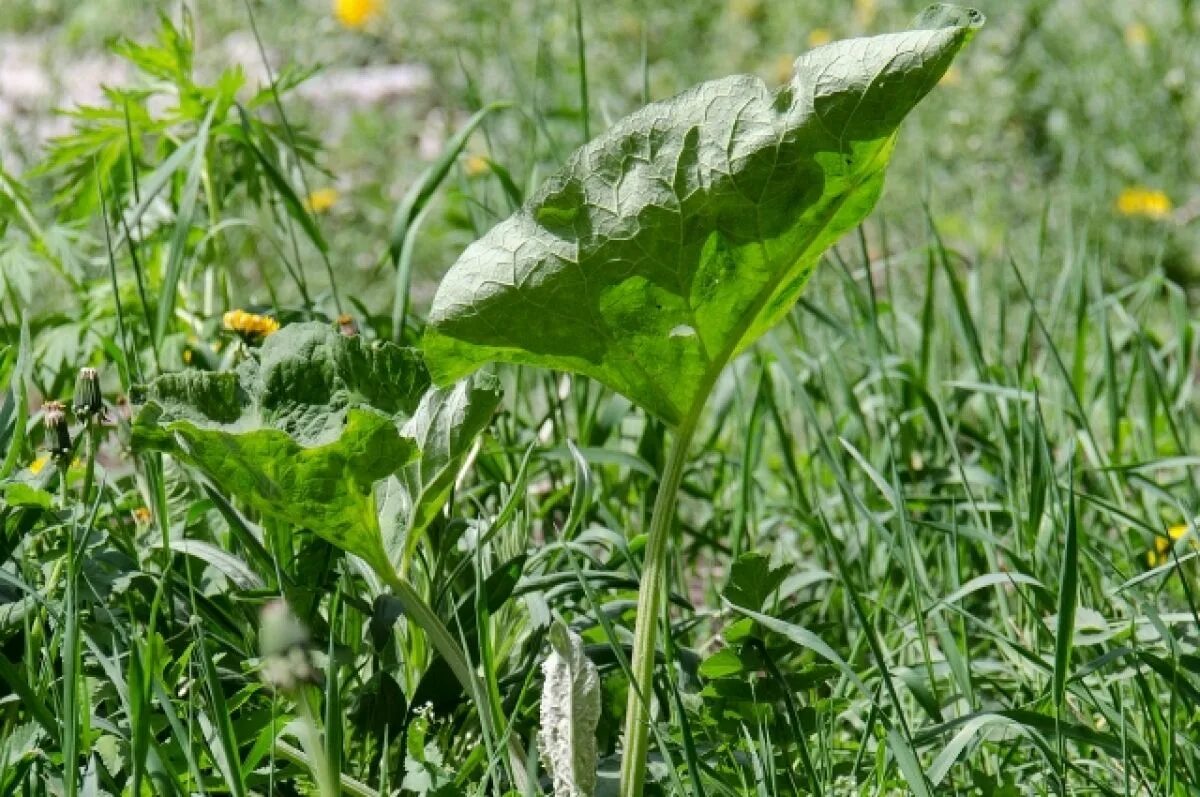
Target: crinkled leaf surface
[
  {"x": 674, "y": 240},
  {"x": 569, "y": 714},
  {"x": 301, "y": 432}
]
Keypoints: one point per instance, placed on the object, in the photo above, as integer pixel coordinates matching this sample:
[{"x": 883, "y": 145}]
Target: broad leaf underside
[
  {"x": 674, "y": 240},
  {"x": 301, "y": 432}
]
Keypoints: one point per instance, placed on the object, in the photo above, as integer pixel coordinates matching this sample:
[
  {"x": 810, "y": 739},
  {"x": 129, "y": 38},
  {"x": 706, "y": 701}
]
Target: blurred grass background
[
  {"x": 1060, "y": 152},
  {"x": 1068, "y": 127}
]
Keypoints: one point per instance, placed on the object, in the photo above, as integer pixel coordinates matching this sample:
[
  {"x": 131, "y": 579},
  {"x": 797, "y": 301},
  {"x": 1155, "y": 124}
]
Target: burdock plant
[{"x": 668, "y": 245}]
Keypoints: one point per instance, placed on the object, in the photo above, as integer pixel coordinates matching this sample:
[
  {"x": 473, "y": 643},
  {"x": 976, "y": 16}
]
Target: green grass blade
[{"x": 183, "y": 225}]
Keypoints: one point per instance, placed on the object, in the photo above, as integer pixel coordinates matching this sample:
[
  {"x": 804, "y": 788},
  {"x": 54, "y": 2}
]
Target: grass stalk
[{"x": 445, "y": 644}]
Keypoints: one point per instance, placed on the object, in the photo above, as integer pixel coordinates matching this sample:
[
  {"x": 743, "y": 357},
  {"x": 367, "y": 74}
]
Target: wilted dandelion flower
[
  {"x": 58, "y": 436},
  {"x": 1148, "y": 203},
  {"x": 283, "y": 643},
  {"x": 87, "y": 401},
  {"x": 322, "y": 199},
  {"x": 819, "y": 36},
  {"x": 250, "y": 326},
  {"x": 356, "y": 14}
]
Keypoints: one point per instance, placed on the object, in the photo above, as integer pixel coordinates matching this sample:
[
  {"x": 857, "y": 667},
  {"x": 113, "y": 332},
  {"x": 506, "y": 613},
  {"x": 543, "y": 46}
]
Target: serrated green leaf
[
  {"x": 301, "y": 432},
  {"x": 670, "y": 243},
  {"x": 752, "y": 580},
  {"x": 22, "y": 494}
]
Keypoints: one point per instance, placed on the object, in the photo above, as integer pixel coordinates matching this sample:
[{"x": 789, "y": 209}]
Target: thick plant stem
[{"x": 654, "y": 576}]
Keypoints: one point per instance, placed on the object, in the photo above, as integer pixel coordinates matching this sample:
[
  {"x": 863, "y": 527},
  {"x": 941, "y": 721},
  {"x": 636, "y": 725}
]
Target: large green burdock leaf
[
  {"x": 301, "y": 431},
  {"x": 674, "y": 240}
]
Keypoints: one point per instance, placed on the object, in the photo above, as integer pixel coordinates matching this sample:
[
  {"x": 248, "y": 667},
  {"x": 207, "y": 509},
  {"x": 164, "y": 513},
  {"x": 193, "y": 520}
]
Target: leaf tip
[{"x": 945, "y": 15}]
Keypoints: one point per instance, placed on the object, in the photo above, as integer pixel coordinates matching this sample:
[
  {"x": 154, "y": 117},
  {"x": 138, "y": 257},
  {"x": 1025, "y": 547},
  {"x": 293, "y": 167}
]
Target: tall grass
[{"x": 962, "y": 445}]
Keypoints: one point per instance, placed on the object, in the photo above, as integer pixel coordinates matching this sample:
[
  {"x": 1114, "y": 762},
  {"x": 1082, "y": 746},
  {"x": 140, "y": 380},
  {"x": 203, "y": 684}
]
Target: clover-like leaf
[
  {"x": 301, "y": 432},
  {"x": 674, "y": 240},
  {"x": 753, "y": 579}
]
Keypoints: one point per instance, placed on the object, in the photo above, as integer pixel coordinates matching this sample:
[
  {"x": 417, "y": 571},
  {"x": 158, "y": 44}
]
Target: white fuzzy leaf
[{"x": 570, "y": 711}]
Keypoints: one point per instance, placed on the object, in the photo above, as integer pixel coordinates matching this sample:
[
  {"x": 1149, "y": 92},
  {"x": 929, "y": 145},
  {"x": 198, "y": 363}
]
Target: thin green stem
[
  {"x": 654, "y": 575},
  {"x": 94, "y": 431},
  {"x": 70, "y": 647},
  {"x": 310, "y": 740},
  {"x": 349, "y": 785},
  {"x": 424, "y": 617}
]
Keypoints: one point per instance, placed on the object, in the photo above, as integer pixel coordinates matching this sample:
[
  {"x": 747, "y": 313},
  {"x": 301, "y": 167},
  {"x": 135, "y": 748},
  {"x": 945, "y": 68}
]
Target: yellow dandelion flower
[
  {"x": 250, "y": 326},
  {"x": 1137, "y": 35},
  {"x": 36, "y": 466},
  {"x": 476, "y": 166},
  {"x": 1148, "y": 203},
  {"x": 321, "y": 200},
  {"x": 1159, "y": 554},
  {"x": 355, "y": 14},
  {"x": 141, "y": 516},
  {"x": 819, "y": 36},
  {"x": 864, "y": 12},
  {"x": 952, "y": 77},
  {"x": 783, "y": 68},
  {"x": 746, "y": 10}
]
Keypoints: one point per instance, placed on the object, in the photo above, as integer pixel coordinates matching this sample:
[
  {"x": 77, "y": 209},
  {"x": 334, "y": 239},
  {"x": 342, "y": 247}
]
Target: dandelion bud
[
  {"x": 283, "y": 642},
  {"x": 58, "y": 436},
  {"x": 87, "y": 401}
]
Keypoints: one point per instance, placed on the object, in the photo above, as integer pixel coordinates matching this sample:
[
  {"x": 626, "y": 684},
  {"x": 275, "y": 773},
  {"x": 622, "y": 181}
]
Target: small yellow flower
[
  {"x": 1148, "y": 203},
  {"x": 141, "y": 516},
  {"x": 1162, "y": 545},
  {"x": 476, "y": 166},
  {"x": 864, "y": 12},
  {"x": 784, "y": 68},
  {"x": 355, "y": 14},
  {"x": 1137, "y": 35},
  {"x": 819, "y": 36},
  {"x": 322, "y": 200},
  {"x": 250, "y": 326},
  {"x": 746, "y": 10},
  {"x": 952, "y": 77},
  {"x": 36, "y": 466}
]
